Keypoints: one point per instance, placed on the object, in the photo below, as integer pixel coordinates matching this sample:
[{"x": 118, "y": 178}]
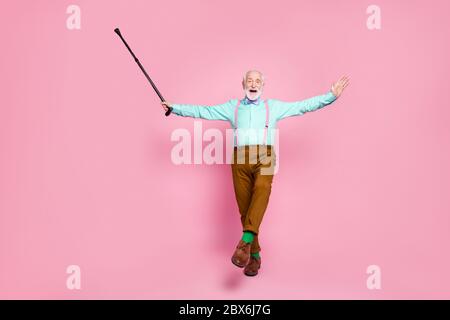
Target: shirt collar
[{"x": 247, "y": 101}]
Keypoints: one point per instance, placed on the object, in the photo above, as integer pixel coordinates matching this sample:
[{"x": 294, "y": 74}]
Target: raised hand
[{"x": 339, "y": 86}]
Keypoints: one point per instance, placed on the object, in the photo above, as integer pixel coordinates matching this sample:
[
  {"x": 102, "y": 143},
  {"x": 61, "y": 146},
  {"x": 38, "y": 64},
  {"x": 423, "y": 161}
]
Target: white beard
[{"x": 251, "y": 95}]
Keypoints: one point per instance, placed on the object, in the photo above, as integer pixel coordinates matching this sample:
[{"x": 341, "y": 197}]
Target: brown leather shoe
[
  {"x": 251, "y": 269},
  {"x": 241, "y": 254}
]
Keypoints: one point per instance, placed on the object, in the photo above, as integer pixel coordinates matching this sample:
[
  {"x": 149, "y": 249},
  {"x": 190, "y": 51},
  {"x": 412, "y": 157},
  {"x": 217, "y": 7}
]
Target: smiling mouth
[{"x": 253, "y": 90}]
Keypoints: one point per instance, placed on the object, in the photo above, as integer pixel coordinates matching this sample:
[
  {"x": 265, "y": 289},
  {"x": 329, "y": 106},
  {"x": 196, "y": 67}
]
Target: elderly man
[{"x": 253, "y": 173}]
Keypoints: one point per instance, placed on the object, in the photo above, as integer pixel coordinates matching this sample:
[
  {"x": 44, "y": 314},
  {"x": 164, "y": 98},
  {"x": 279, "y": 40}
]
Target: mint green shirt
[{"x": 251, "y": 117}]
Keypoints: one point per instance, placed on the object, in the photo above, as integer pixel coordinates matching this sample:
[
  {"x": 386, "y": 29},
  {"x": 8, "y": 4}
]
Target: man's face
[{"x": 253, "y": 85}]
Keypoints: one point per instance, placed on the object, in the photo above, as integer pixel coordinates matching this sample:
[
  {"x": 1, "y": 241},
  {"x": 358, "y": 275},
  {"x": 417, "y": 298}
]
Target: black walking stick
[{"x": 143, "y": 70}]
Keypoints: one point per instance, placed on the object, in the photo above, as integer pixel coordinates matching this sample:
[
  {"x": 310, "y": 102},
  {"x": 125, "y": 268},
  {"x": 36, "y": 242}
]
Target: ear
[{"x": 243, "y": 84}]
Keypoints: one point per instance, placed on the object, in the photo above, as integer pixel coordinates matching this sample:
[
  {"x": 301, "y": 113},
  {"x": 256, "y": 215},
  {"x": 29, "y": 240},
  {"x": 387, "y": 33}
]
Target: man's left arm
[
  {"x": 297, "y": 108},
  {"x": 289, "y": 109}
]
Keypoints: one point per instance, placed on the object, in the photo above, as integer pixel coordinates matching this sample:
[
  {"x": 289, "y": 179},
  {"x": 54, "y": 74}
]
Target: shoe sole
[
  {"x": 237, "y": 265},
  {"x": 251, "y": 274}
]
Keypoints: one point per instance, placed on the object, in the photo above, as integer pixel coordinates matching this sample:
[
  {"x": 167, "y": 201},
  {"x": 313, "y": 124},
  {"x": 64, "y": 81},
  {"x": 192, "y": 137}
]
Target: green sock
[
  {"x": 256, "y": 255},
  {"x": 248, "y": 237}
]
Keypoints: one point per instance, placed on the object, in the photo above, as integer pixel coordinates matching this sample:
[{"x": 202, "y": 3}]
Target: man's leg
[
  {"x": 243, "y": 182},
  {"x": 263, "y": 174},
  {"x": 243, "y": 186}
]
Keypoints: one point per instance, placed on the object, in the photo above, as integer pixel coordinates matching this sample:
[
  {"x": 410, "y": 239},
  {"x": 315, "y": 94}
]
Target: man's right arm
[{"x": 223, "y": 111}]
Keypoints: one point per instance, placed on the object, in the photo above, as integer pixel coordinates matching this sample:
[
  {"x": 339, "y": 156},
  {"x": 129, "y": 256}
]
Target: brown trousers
[{"x": 253, "y": 171}]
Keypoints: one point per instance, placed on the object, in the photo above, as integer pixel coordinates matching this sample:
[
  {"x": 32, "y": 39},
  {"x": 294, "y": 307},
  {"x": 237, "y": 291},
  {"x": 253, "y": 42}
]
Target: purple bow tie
[{"x": 248, "y": 101}]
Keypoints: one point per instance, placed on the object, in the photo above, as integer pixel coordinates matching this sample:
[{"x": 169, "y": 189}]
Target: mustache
[{"x": 253, "y": 93}]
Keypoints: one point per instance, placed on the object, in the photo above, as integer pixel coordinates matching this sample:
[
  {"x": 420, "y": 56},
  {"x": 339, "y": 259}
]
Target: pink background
[{"x": 86, "y": 176}]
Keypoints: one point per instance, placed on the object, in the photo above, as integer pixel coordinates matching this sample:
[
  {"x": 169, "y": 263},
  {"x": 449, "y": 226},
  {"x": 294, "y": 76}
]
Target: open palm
[{"x": 339, "y": 86}]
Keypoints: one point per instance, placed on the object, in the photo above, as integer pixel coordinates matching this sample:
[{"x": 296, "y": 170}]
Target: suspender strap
[
  {"x": 235, "y": 121},
  {"x": 236, "y": 125},
  {"x": 267, "y": 122}
]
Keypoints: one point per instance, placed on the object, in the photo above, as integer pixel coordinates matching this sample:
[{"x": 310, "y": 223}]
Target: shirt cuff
[
  {"x": 332, "y": 95},
  {"x": 175, "y": 109}
]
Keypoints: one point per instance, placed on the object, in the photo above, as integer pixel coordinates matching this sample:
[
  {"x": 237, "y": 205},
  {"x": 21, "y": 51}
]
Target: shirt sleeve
[
  {"x": 288, "y": 109},
  {"x": 223, "y": 111}
]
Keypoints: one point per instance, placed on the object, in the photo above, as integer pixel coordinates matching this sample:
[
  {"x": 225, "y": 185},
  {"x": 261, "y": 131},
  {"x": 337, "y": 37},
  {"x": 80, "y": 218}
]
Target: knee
[{"x": 261, "y": 184}]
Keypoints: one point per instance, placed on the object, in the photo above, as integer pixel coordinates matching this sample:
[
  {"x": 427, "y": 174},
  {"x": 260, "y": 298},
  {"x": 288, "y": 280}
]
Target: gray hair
[{"x": 244, "y": 79}]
